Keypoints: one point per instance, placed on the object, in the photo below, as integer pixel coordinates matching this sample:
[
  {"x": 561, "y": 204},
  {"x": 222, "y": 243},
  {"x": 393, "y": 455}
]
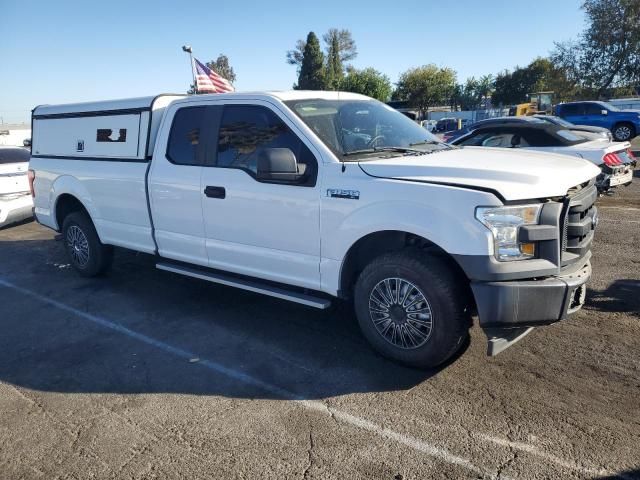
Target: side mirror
[
  {"x": 26, "y": 142},
  {"x": 278, "y": 165},
  {"x": 604, "y": 112}
]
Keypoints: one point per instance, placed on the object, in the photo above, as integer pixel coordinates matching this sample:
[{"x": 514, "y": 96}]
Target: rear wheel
[
  {"x": 623, "y": 132},
  {"x": 87, "y": 255},
  {"x": 412, "y": 308}
]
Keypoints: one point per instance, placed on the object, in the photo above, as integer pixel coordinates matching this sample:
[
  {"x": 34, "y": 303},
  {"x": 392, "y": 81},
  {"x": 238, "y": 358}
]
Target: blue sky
[{"x": 69, "y": 51}]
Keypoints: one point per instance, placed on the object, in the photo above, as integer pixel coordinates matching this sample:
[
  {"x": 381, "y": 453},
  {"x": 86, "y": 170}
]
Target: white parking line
[
  {"x": 239, "y": 376},
  {"x": 612, "y": 220},
  {"x": 633, "y": 209},
  {"x": 315, "y": 405}
]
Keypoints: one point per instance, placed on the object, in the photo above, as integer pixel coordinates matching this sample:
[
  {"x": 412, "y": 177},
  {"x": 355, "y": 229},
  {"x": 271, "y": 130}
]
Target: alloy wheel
[
  {"x": 623, "y": 133},
  {"x": 401, "y": 313},
  {"x": 78, "y": 245}
]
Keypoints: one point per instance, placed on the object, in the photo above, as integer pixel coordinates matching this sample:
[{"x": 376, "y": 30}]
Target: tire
[
  {"x": 87, "y": 255},
  {"x": 623, "y": 132},
  {"x": 438, "y": 335}
]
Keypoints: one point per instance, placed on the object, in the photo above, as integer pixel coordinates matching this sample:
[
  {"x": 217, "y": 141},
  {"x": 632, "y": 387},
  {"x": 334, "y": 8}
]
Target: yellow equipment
[{"x": 539, "y": 103}]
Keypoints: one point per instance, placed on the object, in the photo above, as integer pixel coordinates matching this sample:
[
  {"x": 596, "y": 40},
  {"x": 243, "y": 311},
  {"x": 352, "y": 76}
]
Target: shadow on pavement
[
  {"x": 17, "y": 224},
  {"x": 628, "y": 475},
  {"x": 620, "y": 296},
  {"x": 311, "y": 353}
]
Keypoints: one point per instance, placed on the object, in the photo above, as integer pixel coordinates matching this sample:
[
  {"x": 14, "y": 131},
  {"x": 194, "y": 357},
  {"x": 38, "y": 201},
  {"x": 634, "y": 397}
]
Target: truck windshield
[{"x": 353, "y": 128}]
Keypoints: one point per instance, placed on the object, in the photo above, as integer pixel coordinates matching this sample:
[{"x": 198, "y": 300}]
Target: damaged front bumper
[{"x": 508, "y": 310}]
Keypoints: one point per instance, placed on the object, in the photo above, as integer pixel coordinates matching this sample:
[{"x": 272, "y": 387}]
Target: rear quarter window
[
  {"x": 14, "y": 155},
  {"x": 184, "y": 138},
  {"x": 569, "y": 136}
]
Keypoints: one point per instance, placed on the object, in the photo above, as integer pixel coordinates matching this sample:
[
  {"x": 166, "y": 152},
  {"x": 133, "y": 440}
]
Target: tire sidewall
[{"x": 438, "y": 346}]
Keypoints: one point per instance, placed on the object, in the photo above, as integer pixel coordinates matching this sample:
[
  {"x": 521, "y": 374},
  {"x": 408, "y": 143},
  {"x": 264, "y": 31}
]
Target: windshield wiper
[
  {"x": 431, "y": 142},
  {"x": 384, "y": 149}
]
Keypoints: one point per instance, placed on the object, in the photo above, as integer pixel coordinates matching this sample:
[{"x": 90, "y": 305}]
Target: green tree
[
  {"x": 368, "y": 82},
  {"x": 222, "y": 67},
  {"x": 334, "y": 72},
  {"x": 312, "y": 74},
  {"x": 540, "y": 75},
  {"x": 426, "y": 86},
  {"x": 340, "y": 48},
  {"x": 294, "y": 57},
  {"x": 473, "y": 93},
  {"x": 607, "y": 54}
]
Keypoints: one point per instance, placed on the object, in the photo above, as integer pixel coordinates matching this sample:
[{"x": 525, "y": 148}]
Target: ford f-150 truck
[{"x": 311, "y": 196}]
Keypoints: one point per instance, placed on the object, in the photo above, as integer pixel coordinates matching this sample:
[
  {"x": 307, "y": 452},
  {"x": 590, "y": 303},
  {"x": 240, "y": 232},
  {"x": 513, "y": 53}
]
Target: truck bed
[{"x": 100, "y": 153}]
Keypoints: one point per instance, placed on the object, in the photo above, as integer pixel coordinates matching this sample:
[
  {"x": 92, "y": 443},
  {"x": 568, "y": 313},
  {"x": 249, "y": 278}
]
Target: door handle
[{"x": 215, "y": 192}]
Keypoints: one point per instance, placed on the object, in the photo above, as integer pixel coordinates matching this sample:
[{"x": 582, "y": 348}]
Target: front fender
[
  {"x": 452, "y": 228},
  {"x": 441, "y": 214}
]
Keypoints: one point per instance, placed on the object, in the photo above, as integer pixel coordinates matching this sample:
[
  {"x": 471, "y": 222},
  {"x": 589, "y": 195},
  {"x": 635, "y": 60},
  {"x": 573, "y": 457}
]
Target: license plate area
[{"x": 620, "y": 179}]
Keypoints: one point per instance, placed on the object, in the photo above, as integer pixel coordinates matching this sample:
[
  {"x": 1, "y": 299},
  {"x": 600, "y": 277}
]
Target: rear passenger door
[
  {"x": 262, "y": 228},
  {"x": 573, "y": 113},
  {"x": 174, "y": 185}
]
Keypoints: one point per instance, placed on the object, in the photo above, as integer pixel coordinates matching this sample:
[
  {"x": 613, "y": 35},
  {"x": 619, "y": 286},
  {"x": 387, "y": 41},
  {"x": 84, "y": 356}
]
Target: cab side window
[
  {"x": 184, "y": 147},
  {"x": 572, "y": 110},
  {"x": 247, "y": 129},
  {"x": 594, "y": 109}
]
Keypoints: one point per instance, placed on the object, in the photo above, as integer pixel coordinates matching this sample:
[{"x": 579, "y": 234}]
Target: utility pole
[{"x": 187, "y": 49}]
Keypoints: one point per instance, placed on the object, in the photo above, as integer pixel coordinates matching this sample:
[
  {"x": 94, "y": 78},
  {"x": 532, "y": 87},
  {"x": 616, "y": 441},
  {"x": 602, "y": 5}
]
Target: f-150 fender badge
[{"x": 340, "y": 193}]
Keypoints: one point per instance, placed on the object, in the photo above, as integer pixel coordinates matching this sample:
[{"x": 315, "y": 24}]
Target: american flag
[{"x": 208, "y": 81}]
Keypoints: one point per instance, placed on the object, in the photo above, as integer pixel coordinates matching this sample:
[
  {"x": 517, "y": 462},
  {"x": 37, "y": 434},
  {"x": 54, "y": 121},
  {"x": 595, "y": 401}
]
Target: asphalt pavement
[{"x": 147, "y": 374}]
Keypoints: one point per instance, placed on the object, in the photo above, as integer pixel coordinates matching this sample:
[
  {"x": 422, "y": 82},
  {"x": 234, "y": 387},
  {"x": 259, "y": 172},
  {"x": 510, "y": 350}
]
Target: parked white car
[
  {"x": 15, "y": 199},
  {"x": 614, "y": 159},
  {"x": 309, "y": 196},
  {"x": 429, "y": 125}
]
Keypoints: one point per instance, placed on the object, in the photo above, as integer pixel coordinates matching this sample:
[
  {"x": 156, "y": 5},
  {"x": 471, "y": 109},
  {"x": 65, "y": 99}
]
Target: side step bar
[{"x": 250, "y": 285}]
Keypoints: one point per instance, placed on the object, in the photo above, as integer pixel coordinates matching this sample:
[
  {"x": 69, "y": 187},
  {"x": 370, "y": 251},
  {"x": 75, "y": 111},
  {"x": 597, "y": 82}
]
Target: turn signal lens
[{"x": 528, "y": 249}]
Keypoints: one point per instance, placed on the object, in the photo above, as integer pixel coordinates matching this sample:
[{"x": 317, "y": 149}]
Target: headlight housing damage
[{"x": 504, "y": 223}]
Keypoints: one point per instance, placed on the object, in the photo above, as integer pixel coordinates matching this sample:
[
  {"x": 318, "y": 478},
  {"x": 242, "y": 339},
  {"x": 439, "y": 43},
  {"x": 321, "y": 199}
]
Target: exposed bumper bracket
[{"x": 502, "y": 338}]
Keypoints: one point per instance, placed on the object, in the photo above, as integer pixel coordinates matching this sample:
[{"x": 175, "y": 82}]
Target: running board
[{"x": 250, "y": 285}]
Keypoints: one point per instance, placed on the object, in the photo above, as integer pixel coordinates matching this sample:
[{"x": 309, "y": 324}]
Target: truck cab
[
  {"x": 623, "y": 124},
  {"x": 317, "y": 196}
]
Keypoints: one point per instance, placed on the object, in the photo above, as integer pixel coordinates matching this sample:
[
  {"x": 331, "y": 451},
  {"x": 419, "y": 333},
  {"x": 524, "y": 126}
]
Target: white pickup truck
[{"x": 309, "y": 196}]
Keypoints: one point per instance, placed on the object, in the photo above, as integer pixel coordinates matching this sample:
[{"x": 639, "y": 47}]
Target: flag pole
[{"x": 187, "y": 49}]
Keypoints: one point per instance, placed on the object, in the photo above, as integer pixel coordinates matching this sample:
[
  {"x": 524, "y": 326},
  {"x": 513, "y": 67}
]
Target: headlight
[{"x": 504, "y": 224}]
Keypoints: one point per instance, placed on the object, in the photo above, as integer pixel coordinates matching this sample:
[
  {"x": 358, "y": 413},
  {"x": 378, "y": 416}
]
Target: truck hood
[{"x": 516, "y": 174}]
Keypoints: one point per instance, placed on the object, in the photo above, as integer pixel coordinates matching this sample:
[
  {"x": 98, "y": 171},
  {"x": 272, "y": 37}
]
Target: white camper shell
[{"x": 114, "y": 129}]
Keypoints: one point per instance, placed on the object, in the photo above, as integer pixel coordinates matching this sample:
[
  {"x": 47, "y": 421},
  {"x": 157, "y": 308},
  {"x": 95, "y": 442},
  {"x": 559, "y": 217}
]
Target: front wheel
[
  {"x": 412, "y": 308},
  {"x": 623, "y": 132},
  {"x": 87, "y": 255}
]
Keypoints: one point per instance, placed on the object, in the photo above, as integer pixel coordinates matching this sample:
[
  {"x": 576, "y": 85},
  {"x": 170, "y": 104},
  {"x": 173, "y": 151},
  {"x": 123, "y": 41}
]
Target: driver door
[{"x": 264, "y": 229}]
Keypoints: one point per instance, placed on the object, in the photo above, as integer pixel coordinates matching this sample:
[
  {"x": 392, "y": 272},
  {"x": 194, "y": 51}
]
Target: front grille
[{"x": 578, "y": 224}]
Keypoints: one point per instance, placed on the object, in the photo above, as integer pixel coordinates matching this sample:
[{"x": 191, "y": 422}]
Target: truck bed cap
[{"x": 138, "y": 103}]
